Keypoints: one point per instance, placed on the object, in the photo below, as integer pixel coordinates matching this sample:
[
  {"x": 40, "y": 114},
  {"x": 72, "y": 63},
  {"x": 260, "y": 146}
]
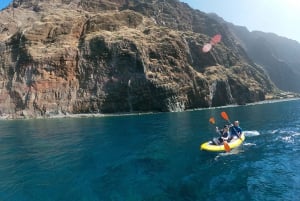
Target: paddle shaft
[
  {"x": 226, "y": 145},
  {"x": 226, "y": 117}
]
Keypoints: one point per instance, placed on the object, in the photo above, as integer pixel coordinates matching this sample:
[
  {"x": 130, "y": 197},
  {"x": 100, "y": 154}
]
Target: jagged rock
[{"x": 67, "y": 57}]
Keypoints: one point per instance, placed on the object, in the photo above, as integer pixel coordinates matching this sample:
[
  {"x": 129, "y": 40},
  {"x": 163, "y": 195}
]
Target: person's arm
[
  {"x": 219, "y": 131},
  {"x": 239, "y": 131}
]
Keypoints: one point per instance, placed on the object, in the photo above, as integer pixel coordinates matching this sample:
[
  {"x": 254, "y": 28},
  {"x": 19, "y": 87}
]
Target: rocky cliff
[
  {"x": 75, "y": 56},
  {"x": 279, "y": 56}
]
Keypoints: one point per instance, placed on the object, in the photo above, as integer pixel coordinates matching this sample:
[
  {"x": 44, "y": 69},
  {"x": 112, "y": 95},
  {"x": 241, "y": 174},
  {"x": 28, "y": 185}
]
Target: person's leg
[{"x": 216, "y": 141}]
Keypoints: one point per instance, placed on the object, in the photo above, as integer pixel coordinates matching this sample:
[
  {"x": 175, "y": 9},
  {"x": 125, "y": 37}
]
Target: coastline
[
  {"x": 80, "y": 115},
  {"x": 101, "y": 115}
]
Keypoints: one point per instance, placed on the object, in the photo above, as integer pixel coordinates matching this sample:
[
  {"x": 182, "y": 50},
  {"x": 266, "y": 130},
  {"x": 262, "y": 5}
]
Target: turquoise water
[{"x": 152, "y": 157}]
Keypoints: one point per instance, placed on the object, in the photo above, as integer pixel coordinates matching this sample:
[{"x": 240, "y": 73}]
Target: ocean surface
[{"x": 152, "y": 157}]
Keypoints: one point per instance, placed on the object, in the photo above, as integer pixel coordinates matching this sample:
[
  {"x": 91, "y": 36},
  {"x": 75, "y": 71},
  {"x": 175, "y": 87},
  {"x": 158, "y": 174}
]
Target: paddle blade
[
  {"x": 212, "y": 120},
  {"x": 226, "y": 146},
  {"x": 224, "y": 116}
]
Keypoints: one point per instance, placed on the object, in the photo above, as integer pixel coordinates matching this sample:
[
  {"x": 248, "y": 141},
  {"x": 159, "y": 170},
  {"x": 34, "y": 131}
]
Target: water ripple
[{"x": 152, "y": 157}]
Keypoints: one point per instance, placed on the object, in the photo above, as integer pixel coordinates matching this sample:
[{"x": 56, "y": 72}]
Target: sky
[
  {"x": 281, "y": 17},
  {"x": 4, "y": 3}
]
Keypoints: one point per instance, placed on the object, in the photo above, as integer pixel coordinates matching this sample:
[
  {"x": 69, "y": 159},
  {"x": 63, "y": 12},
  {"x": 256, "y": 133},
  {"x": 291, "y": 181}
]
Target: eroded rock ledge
[{"x": 70, "y": 57}]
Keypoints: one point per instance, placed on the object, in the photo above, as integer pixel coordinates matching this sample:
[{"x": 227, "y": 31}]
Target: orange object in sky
[{"x": 216, "y": 39}]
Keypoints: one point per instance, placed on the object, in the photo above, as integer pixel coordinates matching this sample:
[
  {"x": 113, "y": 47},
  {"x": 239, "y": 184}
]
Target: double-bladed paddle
[
  {"x": 225, "y": 116},
  {"x": 226, "y": 145}
]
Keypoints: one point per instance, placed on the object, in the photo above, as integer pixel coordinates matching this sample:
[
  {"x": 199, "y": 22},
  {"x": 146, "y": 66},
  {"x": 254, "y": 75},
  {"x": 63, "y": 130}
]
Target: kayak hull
[{"x": 208, "y": 146}]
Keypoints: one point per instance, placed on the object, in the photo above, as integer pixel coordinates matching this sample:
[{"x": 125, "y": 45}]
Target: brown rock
[{"x": 63, "y": 57}]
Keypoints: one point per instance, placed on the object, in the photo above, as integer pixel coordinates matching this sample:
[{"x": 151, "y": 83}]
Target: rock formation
[
  {"x": 75, "y": 56},
  {"x": 279, "y": 56}
]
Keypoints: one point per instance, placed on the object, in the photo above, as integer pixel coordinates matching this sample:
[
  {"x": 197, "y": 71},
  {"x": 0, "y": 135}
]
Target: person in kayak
[
  {"x": 235, "y": 130},
  {"x": 224, "y": 135}
]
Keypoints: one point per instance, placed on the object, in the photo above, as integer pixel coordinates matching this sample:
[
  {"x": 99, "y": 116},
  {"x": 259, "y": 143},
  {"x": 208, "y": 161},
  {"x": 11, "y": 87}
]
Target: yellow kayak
[{"x": 209, "y": 146}]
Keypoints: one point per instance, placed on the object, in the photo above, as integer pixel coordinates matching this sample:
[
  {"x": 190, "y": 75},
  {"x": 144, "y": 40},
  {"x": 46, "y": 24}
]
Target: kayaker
[
  {"x": 224, "y": 135},
  {"x": 235, "y": 130}
]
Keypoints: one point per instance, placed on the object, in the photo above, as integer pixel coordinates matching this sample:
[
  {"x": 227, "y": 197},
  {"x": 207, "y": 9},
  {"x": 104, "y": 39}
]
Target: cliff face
[
  {"x": 279, "y": 56},
  {"x": 59, "y": 57}
]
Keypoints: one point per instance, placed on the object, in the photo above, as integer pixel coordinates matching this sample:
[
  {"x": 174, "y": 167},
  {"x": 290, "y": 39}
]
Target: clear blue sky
[
  {"x": 4, "y": 3},
  {"x": 281, "y": 17}
]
